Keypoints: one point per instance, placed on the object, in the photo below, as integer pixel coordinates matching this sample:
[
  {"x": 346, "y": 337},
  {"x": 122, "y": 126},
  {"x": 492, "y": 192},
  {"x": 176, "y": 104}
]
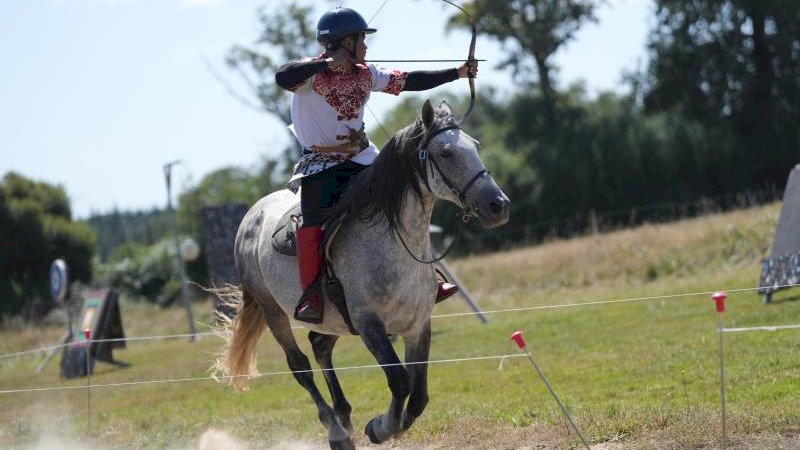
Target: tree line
[{"x": 713, "y": 114}]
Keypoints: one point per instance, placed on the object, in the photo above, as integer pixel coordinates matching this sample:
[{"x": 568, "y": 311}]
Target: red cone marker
[
  {"x": 719, "y": 299},
  {"x": 517, "y": 337}
]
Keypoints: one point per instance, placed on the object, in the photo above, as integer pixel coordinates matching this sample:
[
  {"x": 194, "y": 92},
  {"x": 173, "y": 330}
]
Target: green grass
[{"x": 638, "y": 374}]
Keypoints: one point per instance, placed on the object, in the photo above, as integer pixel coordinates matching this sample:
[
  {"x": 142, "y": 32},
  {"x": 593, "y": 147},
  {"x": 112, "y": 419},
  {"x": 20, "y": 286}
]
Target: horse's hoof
[
  {"x": 345, "y": 444},
  {"x": 370, "y": 432}
]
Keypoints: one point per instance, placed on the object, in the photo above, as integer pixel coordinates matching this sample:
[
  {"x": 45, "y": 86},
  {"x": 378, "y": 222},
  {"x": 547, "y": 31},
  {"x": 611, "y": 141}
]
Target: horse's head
[{"x": 454, "y": 169}]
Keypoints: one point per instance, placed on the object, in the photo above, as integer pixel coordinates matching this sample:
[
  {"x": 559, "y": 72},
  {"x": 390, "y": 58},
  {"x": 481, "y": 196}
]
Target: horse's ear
[
  {"x": 427, "y": 115},
  {"x": 446, "y": 107}
]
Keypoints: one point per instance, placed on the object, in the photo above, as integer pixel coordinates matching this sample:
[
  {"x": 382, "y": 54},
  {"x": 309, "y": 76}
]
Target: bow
[
  {"x": 470, "y": 58},
  {"x": 470, "y": 55}
]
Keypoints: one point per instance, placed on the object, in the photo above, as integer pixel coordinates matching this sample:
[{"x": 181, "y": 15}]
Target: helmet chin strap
[{"x": 353, "y": 51}]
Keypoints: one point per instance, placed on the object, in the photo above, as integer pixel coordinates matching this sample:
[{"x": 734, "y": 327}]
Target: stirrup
[
  {"x": 445, "y": 290},
  {"x": 306, "y": 312},
  {"x": 311, "y": 306}
]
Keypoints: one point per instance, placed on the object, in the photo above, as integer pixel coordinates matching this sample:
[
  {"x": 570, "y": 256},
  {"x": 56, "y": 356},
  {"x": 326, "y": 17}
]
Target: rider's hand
[{"x": 469, "y": 69}]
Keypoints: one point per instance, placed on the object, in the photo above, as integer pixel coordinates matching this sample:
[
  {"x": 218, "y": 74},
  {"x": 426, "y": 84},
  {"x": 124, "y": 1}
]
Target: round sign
[
  {"x": 58, "y": 280},
  {"x": 189, "y": 249}
]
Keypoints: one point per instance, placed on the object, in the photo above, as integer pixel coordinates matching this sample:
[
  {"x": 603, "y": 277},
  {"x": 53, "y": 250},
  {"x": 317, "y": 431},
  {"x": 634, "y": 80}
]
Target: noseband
[{"x": 425, "y": 155}]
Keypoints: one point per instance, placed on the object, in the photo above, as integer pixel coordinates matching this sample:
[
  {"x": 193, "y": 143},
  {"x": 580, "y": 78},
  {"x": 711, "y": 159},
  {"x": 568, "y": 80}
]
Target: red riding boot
[
  {"x": 309, "y": 261},
  {"x": 445, "y": 291}
]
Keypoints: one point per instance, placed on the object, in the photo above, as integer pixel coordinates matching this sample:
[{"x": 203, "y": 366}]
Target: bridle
[{"x": 461, "y": 194}]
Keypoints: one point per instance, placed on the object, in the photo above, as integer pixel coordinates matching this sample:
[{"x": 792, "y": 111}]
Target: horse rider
[{"x": 329, "y": 94}]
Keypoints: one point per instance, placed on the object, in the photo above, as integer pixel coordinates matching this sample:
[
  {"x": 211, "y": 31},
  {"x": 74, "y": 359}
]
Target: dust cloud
[{"x": 210, "y": 440}]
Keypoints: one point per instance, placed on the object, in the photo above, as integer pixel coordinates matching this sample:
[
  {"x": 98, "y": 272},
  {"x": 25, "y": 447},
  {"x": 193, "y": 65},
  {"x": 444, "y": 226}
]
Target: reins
[
  {"x": 464, "y": 220},
  {"x": 424, "y": 155}
]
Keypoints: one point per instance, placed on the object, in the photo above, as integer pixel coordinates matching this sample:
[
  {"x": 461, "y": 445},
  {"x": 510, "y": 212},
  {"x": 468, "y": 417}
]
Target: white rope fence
[
  {"x": 445, "y": 316},
  {"x": 764, "y": 328},
  {"x": 260, "y": 375},
  {"x": 95, "y": 341}
]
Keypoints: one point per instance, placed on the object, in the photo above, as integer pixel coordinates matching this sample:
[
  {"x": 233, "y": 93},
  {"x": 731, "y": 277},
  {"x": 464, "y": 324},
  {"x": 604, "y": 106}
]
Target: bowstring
[
  {"x": 378, "y": 11},
  {"x": 374, "y": 116}
]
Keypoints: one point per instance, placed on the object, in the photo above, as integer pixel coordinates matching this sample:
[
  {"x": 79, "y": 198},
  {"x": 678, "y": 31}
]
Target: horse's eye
[{"x": 447, "y": 153}]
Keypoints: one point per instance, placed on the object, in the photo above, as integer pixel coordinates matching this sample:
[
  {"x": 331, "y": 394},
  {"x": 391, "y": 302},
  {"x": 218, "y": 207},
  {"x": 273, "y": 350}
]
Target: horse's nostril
[{"x": 499, "y": 205}]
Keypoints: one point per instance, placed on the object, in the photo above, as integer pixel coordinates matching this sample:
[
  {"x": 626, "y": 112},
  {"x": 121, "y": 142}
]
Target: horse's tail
[{"x": 236, "y": 364}]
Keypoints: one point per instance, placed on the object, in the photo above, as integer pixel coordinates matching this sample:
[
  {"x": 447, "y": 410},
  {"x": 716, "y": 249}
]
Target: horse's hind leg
[
  {"x": 280, "y": 327},
  {"x": 373, "y": 333},
  {"x": 417, "y": 353},
  {"x": 323, "y": 350}
]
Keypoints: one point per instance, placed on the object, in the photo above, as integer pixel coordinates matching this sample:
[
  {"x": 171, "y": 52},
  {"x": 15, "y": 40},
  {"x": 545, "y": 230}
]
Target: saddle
[{"x": 327, "y": 284}]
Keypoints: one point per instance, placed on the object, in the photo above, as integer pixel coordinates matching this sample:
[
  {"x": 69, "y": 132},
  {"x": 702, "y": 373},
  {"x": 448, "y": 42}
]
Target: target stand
[
  {"x": 782, "y": 269},
  {"x": 101, "y": 315}
]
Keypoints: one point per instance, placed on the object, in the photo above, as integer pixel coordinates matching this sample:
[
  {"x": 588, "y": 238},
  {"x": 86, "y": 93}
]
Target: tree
[
  {"x": 117, "y": 228},
  {"x": 535, "y": 30},
  {"x": 733, "y": 67},
  {"x": 37, "y": 228}
]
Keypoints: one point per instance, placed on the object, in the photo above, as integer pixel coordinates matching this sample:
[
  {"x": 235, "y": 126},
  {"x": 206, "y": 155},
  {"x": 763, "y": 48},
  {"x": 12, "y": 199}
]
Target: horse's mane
[{"x": 381, "y": 188}]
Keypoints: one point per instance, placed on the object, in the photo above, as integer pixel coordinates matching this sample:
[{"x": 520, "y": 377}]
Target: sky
[{"x": 97, "y": 95}]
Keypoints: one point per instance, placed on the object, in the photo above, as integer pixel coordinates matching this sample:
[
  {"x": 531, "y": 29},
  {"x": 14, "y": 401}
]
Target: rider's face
[{"x": 358, "y": 42}]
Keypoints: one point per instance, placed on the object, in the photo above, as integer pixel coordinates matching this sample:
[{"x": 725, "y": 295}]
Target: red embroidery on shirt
[
  {"x": 397, "y": 81},
  {"x": 345, "y": 92}
]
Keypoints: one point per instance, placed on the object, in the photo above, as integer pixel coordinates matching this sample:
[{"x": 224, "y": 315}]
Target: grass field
[{"x": 635, "y": 373}]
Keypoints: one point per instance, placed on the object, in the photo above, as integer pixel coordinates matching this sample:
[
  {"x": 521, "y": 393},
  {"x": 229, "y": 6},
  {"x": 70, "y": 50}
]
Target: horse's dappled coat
[{"x": 387, "y": 291}]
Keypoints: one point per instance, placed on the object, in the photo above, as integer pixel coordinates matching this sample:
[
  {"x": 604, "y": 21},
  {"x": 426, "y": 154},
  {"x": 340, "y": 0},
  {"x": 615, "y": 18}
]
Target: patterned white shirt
[{"x": 328, "y": 106}]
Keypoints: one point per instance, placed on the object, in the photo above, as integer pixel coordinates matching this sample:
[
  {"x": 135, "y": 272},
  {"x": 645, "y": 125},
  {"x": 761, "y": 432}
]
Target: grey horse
[{"x": 381, "y": 254}]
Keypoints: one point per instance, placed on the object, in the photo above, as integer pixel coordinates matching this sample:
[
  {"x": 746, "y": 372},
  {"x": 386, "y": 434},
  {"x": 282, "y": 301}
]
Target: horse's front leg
[
  {"x": 417, "y": 352},
  {"x": 373, "y": 333}
]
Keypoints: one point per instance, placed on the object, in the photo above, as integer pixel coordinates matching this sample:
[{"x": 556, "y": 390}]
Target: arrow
[{"x": 420, "y": 60}]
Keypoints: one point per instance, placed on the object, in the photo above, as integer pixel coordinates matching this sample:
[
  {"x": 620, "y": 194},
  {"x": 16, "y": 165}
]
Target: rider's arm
[
  {"x": 421, "y": 80},
  {"x": 293, "y": 74}
]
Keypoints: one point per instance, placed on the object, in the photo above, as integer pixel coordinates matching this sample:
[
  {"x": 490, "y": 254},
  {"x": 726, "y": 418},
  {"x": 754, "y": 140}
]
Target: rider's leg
[
  {"x": 318, "y": 192},
  {"x": 309, "y": 263}
]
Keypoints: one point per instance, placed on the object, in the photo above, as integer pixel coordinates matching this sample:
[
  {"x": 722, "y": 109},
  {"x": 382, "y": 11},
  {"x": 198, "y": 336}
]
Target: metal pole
[
  {"x": 520, "y": 340},
  {"x": 463, "y": 290},
  {"x": 66, "y": 337},
  {"x": 88, "y": 334},
  {"x": 722, "y": 383},
  {"x": 181, "y": 269},
  {"x": 448, "y": 272},
  {"x": 719, "y": 300}
]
